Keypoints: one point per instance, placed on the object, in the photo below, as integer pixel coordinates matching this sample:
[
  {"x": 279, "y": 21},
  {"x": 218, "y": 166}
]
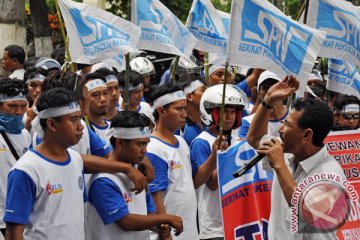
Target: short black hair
[
  {"x": 93, "y": 76},
  {"x": 105, "y": 72},
  {"x": 129, "y": 119},
  {"x": 168, "y": 87},
  {"x": 12, "y": 86},
  {"x": 56, "y": 97},
  {"x": 135, "y": 78},
  {"x": 343, "y": 100},
  {"x": 16, "y": 51},
  {"x": 66, "y": 80},
  {"x": 317, "y": 116},
  {"x": 186, "y": 79}
]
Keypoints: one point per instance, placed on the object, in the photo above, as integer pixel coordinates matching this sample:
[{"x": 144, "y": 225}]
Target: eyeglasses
[{"x": 349, "y": 116}]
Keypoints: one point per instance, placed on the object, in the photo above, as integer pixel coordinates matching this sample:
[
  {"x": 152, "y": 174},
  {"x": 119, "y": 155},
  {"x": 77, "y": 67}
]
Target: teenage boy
[
  {"x": 46, "y": 192},
  {"x": 14, "y": 139},
  {"x": 173, "y": 187},
  {"x": 115, "y": 212}
]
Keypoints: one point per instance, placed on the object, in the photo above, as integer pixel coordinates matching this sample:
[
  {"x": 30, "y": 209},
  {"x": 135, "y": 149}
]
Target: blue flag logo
[
  {"x": 283, "y": 41},
  {"x": 96, "y": 35}
]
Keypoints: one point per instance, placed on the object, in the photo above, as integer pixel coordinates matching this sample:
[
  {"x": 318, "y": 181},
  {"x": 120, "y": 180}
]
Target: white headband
[
  {"x": 37, "y": 77},
  {"x": 192, "y": 86},
  {"x": 214, "y": 68},
  {"x": 351, "y": 108},
  {"x": 111, "y": 78},
  {"x": 132, "y": 87},
  {"x": 6, "y": 98},
  {"x": 52, "y": 112},
  {"x": 168, "y": 98},
  {"x": 92, "y": 84},
  {"x": 129, "y": 133}
]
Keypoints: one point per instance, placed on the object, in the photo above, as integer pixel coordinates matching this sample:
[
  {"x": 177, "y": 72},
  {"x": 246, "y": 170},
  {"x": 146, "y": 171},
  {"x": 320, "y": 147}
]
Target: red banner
[{"x": 345, "y": 147}]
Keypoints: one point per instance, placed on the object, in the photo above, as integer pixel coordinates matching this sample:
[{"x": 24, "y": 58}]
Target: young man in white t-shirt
[
  {"x": 173, "y": 187},
  {"x": 46, "y": 190},
  {"x": 208, "y": 201},
  {"x": 14, "y": 139},
  {"x": 115, "y": 212}
]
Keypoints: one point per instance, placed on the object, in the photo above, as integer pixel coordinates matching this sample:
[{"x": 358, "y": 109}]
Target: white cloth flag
[
  {"x": 343, "y": 77},
  {"x": 95, "y": 34},
  {"x": 205, "y": 23},
  {"x": 262, "y": 36},
  {"x": 341, "y": 21},
  {"x": 161, "y": 30}
]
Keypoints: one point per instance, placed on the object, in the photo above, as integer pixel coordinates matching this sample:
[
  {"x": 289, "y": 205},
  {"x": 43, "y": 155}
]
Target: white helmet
[
  {"x": 143, "y": 66},
  {"x": 211, "y": 102}
]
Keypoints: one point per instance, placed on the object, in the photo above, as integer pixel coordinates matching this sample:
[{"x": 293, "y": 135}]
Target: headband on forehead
[
  {"x": 6, "y": 98},
  {"x": 132, "y": 87},
  {"x": 50, "y": 113},
  {"x": 214, "y": 68},
  {"x": 168, "y": 98},
  {"x": 37, "y": 77},
  {"x": 129, "y": 133},
  {"x": 92, "y": 84},
  {"x": 192, "y": 86},
  {"x": 351, "y": 108},
  {"x": 111, "y": 78}
]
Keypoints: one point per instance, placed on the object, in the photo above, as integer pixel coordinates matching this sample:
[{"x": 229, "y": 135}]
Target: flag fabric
[
  {"x": 206, "y": 24},
  {"x": 161, "y": 30},
  {"x": 95, "y": 34},
  {"x": 249, "y": 196},
  {"x": 344, "y": 77},
  {"x": 341, "y": 21},
  {"x": 225, "y": 19},
  {"x": 262, "y": 36}
]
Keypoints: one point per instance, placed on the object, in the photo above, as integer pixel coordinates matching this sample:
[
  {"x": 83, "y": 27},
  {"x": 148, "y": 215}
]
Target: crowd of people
[{"x": 80, "y": 161}]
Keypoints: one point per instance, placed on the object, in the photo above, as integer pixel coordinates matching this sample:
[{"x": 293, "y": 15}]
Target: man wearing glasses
[
  {"x": 13, "y": 61},
  {"x": 346, "y": 113}
]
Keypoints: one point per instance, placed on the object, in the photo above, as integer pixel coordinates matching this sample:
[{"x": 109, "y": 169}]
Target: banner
[
  {"x": 161, "y": 30},
  {"x": 345, "y": 147},
  {"x": 262, "y": 36},
  {"x": 341, "y": 21},
  {"x": 245, "y": 200},
  {"x": 344, "y": 77},
  {"x": 205, "y": 23},
  {"x": 95, "y": 34},
  {"x": 225, "y": 19}
]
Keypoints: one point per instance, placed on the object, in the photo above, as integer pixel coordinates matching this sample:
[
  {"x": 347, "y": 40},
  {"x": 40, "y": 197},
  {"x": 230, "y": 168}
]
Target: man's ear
[
  {"x": 51, "y": 125},
  {"x": 160, "y": 110},
  {"x": 308, "y": 134},
  {"x": 189, "y": 97}
]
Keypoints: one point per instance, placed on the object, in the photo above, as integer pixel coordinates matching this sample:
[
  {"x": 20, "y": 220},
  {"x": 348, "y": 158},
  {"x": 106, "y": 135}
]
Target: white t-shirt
[
  {"x": 173, "y": 176},
  {"x": 18, "y": 73},
  {"x": 47, "y": 197},
  {"x": 21, "y": 142}
]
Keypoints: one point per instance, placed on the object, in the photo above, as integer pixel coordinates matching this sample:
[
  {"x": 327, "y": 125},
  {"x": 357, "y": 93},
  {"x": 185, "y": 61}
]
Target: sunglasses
[{"x": 349, "y": 116}]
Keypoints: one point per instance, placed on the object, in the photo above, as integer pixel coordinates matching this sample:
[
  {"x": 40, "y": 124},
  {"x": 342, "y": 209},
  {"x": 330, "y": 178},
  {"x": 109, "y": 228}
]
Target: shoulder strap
[{"x": 8, "y": 142}]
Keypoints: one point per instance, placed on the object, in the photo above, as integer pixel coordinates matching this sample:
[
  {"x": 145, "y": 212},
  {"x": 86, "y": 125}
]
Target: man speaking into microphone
[{"x": 302, "y": 206}]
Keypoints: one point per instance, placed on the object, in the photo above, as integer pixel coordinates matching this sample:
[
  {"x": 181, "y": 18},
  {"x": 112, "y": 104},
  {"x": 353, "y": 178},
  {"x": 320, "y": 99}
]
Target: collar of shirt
[{"x": 310, "y": 163}]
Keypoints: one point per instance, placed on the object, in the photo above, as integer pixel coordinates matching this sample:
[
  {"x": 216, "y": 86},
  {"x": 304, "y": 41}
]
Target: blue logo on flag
[
  {"x": 95, "y": 35},
  {"x": 345, "y": 74},
  {"x": 201, "y": 20},
  {"x": 283, "y": 41},
  {"x": 340, "y": 25}
]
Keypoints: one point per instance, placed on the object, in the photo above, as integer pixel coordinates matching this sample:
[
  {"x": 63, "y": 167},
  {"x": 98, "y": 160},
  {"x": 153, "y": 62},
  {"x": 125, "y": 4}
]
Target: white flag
[
  {"x": 161, "y": 30},
  {"x": 343, "y": 77},
  {"x": 95, "y": 34},
  {"x": 205, "y": 23},
  {"x": 341, "y": 21},
  {"x": 262, "y": 36}
]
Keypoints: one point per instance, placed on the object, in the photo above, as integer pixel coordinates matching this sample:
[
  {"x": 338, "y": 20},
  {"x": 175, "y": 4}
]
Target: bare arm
[
  {"x": 14, "y": 231},
  {"x": 94, "y": 164},
  {"x": 136, "y": 222},
  {"x": 160, "y": 207},
  {"x": 251, "y": 81},
  {"x": 277, "y": 93},
  {"x": 212, "y": 183}
]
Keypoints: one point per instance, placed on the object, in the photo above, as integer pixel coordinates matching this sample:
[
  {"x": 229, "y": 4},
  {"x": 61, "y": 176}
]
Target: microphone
[{"x": 257, "y": 158}]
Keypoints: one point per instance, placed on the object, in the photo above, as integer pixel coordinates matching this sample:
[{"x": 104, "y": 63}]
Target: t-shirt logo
[
  {"x": 81, "y": 182},
  {"x": 175, "y": 164},
  {"x": 128, "y": 197},
  {"x": 2, "y": 147},
  {"x": 54, "y": 188}
]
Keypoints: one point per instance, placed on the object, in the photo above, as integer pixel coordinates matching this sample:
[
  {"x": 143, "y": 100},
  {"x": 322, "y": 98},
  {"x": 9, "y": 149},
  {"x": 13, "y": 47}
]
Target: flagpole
[
  {"x": 223, "y": 100},
  {"x": 127, "y": 69},
  {"x": 66, "y": 43},
  {"x": 206, "y": 67},
  {"x": 173, "y": 68}
]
